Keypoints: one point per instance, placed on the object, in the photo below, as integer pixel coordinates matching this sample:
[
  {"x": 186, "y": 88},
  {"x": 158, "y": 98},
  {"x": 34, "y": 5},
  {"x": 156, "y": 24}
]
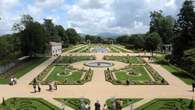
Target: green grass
[
  {"x": 122, "y": 75},
  {"x": 21, "y": 69},
  {"x": 76, "y": 75},
  {"x": 167, "y": 104},
  {"x": 125, "y": 102},
  {"x": 178, "y": 72},
  {"x": 27, "y": 104},
  {"x": 74, "y": 103},
  {"x": 125, "y": 59}
]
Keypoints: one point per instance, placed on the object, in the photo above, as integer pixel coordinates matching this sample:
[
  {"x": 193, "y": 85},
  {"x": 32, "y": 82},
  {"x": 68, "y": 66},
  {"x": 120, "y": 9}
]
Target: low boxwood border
[
  {"x": 159, "y": 80},
  {"x": 87, "y": 78}
]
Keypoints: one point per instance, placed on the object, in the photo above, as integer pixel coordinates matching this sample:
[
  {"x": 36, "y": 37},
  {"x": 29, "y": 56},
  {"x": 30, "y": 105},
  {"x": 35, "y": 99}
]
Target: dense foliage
[
  {"x": 9, "y": 48},
  {"x": 32, "y": 38},
  {"x": 184, "y": 38}
]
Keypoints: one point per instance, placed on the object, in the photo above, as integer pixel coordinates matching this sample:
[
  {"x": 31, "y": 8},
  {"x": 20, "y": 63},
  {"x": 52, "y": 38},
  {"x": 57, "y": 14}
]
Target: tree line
[
  {"x": 32, "y": 38},
  {"x": 180, "y": 32}
]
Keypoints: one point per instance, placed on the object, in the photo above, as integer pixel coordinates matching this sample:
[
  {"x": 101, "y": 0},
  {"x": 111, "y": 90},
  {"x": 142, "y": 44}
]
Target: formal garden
[
  {"x": 120, "y": 103},
  {"x": 101, "y": 49},
  {"x": 75, "y": 103},
  {"x": 27, "y": 104},
  {"x": 62, "y": 73},
  {"x": 137, "y": 73},
  {"x": 168, "y": 104}
]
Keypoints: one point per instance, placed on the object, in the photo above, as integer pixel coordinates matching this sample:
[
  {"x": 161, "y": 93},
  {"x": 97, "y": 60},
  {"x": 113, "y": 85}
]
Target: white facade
[{"x": 56, "y": 48}]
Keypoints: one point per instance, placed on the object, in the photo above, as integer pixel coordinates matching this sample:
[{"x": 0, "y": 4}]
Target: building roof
[{"x": 55, "y": 43}]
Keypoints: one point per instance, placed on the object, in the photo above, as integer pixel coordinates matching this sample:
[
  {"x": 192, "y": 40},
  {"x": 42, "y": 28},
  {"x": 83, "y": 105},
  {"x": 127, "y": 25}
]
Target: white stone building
[{"x": 56, "y": 48}]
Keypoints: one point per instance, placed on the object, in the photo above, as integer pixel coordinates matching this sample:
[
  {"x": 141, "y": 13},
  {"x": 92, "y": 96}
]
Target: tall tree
[
  {"x": 122, "y": 39},
  {"x": 152, "y": 42},
  {"x": 51, "y": 31},
  {"x": 33, "y": 39},
  {"x": 73, "y": 36},
  {"x": 183, "y": 31},
  {"x": 136, "y": 40},
  {"x": 61, "y": 33},
  {"x": 163, "y": 25}
]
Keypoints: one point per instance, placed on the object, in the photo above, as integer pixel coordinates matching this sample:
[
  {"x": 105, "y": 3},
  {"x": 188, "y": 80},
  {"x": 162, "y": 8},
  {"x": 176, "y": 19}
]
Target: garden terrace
[
  {"x": 168, "y": 104},
  {"x": 126, "y": 59},
  {"x": 27, "y": 104},
  {"x": 74, "y": 103},
  {"x": 65, "y": 75}
]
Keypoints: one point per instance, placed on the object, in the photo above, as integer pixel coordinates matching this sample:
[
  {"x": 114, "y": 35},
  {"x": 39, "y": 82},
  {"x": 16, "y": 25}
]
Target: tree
[
  {"x": 163, "y": 25},
  {"x": 189, "y": 60},
  {"x": 73, "y": 36},
  {"x": 91, "y": 38},
  {"x": 33, "y": 39},
  {"x": 51, "y": 31},
  {"x": 24, "y": 22},
  {"x": 183, "y": 31},
  {"x": 62, "y": 33},
  {"x": 10, "y": 48},
  {"x": 122, "y": 39},
  {"x": 152, "y": 42},
  {"x": 136, "y": 40}
]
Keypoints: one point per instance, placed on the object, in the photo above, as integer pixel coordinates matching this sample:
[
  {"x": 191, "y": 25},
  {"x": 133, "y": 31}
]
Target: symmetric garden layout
[{"x": 87, "y": 73}]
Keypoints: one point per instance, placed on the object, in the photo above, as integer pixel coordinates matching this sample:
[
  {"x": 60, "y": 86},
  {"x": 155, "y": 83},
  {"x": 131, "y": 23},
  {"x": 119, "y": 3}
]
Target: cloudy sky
[{"x": 88, "y": 16}]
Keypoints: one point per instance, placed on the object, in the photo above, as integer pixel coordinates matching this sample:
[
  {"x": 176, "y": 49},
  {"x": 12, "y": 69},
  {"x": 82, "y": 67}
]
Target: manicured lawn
[
  {"x": 125, "y": 102},
  {"x": 21, "y": 69},
  {"x": 69, "y": 75},
  {"x": 167, "y": 104},
  {"x": 141, "y": 74},
  {"x": 27, "y": 104},
  {"x": 178, "y": 72},
  {"x": 125, "y": 59},
  {"x": 74, "y": 103}
]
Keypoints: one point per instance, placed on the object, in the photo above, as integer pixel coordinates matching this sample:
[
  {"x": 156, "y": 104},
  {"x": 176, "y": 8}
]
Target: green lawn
[
  {"x": 122, "y": 74},
  {"x": 74, "y": 103},
  {"x": 125, "y": 102},
  {"x": 167, "y": 104},
  {"x": 27, "y": 104},
  {"x": 21, "y": 69},
  {"x": 76, "y": 75},
  {"x": 178, "y": 72},
  {"x": 125, "y": 59}
]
